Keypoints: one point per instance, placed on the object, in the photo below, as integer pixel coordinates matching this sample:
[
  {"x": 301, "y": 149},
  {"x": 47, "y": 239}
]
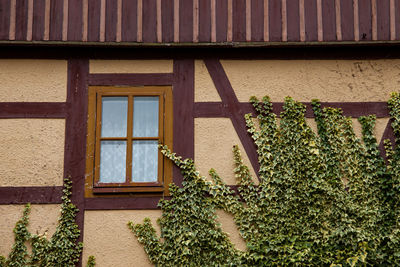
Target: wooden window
[{"x": 125, "y": 127}]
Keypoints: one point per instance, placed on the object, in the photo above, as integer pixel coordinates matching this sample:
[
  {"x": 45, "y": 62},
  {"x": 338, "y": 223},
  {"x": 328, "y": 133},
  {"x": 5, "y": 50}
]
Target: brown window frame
[{"x": 93, "y": 185}]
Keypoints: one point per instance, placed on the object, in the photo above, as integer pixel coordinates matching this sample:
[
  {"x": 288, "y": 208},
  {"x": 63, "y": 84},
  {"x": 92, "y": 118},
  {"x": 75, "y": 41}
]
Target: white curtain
[
  {"x": 114, "y": 116},
  {"x": 144, "y": 161},
  {"x": 145, "y": 116},
  {"x": 113, "y": 161}
]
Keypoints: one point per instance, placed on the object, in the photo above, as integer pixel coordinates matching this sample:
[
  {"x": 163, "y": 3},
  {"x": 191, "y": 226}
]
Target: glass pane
[
  {"x": 145, "y": 116},
  {"x": 114, "y": 116},
  {"x": 144, "y": 161},
  {"x": 113, "y": 161}
]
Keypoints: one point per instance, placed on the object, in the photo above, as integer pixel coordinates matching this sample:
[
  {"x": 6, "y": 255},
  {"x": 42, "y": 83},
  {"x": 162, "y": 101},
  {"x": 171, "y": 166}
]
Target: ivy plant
[
  {"x": 61, "y": 250},
  {"x": 323, "y": 199}
]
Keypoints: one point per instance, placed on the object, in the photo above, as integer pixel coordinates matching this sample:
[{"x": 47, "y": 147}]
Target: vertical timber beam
[
  {"x": 75, "y": 134},
  {"x": 183, "y": 90}
]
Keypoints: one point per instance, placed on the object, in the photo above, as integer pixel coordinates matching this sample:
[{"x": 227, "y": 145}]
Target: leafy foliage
[
  {"x": 61, "y": 250},
  {"x": 326, "y": 199}
]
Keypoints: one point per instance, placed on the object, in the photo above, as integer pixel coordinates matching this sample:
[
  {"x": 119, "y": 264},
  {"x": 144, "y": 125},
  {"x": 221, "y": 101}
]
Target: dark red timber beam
[
  {"x": 224, "y": 22},
  {"x": 183, "y": 88},
  {"x": 10, "y": 110},
  {"x": 350, "y": 109},
  {"x": 131, "y": 79},
  {"x": 33, "y": 195},
  {"x": 75, "y": 134},
  {"x": 233, "y": 108}
]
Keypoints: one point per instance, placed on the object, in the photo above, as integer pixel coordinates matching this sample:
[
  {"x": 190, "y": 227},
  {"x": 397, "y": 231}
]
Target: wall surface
[{"x": 32, "y": 149}]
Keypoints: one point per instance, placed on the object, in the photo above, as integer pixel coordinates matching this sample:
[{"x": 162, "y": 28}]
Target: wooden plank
[
  {"x": 293, "y": 21},
  {"x": 183, "y": 89},
  {"x": 350, "y": 109},
  {"x": 131, "y": 79},
  {"x": 93, "y": 20},
  {"x": 236, "y": 114},
  {"x": 21, "y": 19},
  {"x": 32, "y": 110},
  {"x": 329, "y": 20},
  {"x": 205, "y": 21},
  {"x": 275, "y": 20},
  {"x": 397, "y": 18},
  {"x": 122, "y": 203},
  {"x": 38, "y": 20},
  {"x": 365, "y": 17},
  {"x": 257, "y": 20},
  {"x": 185, "y": 21},
  {"x": 111, "y": 20},
  {"x": 75, "y": 135},
  {"x": 75, "y": 22},
  {"x": 33, "y": 195},
  {"x": 347, "y": 20},
  {"x": 383, "y": 17},
  {"x": 129, "y": 21},
  {"x": 4, "y": 19},
  {"x": 56, "y": 20},
  {"x": 167, "y": 18},
  {"x": 239, "y": 20},
  {"x": 149, "y": 21},
  {"x": 311, "y": 27},
  {"x": 221, "y": 10}
]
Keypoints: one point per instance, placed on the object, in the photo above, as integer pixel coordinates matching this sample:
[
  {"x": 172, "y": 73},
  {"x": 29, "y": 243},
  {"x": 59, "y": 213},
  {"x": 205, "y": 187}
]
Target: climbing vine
[
  {"x": 61, "y": 250},
  {"x": 322, "y": 199}
]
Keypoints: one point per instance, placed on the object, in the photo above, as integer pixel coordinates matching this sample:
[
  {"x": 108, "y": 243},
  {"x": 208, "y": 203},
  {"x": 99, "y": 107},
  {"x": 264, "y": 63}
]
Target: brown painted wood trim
[
  {"x": 75, "y": 20},
  {"x": 32, "y": 110},
  {"x": 397, "y": 18},
  {"x": 33, "y": 195},
  {"x": 38, "y": 20},
  {"x": 329, "y": 20},
  {"x": 131, "y": 79},
  {"x": 111, "y": 20},
  {"x": 4, "y": 19},
  {"x": 93, "y": 20},
  {"x": 221, "y": 9},
  {"x": 239, "y": 20},
  {"x": 21, "y": 19},
  {"x": 310, "y": 12},
  {"x": 383, "y": 19},
  {"x": 231, "y": 103},
  {"x": 129, "y": 20},
  {"x": 205, "y": 21},
  {"x": 183, "y": 100},
  {"x": 365, "y": 24},
  {"x": 257, "y": 20},
  {"x": 126, "y": 203},
  {"x": 352, "y": 109},
  {"x": 167, "y": 18},
  {"x": 75, "y": 134},
  {"x": 293, "y": 21},
  {"x": 347, "y": 20},
  {"x": 149, "y": 34},
  {"x": 56, "y": 19},
  {"x": 275, "y": 20},
  {"x": 185, "y": 21}
]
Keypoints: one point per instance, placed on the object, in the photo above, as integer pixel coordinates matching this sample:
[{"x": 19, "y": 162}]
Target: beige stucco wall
[
  {"x": 41, "y": 219},
  {"x": 205, "y": 90},
  {"x": 213, "y": 140},
  {"x": 32, "y": 152},
  {"x": 131, "y": 66},
  {"x": 108, "y": 238},
  {"x": 327, "y": 80},
  {"x": 33, "y": 80}
]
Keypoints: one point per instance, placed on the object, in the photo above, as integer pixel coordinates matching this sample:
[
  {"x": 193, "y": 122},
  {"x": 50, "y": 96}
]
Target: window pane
[
  {"x": 144, "y": 161},
  {"x": 113, "y": 161},
  {"x": 145, "y": 116},
  {"x": 114, "y": 116}
]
